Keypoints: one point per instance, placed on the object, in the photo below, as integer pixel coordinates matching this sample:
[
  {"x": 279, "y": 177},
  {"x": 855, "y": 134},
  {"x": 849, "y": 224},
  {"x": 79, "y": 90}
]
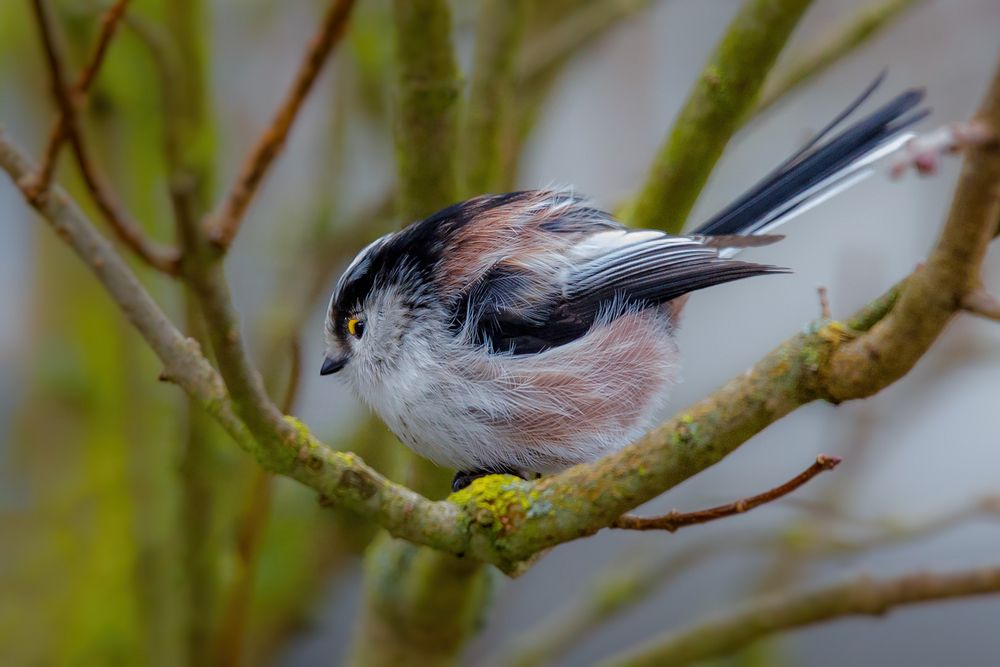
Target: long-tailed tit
[{"x": 529, "y": 331}]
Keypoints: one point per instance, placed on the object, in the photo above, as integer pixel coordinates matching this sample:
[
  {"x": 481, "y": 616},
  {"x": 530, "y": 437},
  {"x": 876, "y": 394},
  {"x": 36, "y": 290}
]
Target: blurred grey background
[{"x": 929, "y": 444}]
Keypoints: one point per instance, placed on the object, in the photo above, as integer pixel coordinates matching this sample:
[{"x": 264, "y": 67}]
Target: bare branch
[
  {"x": 130, "y": 233},
  {"x": 924, "y": 152},
  {"x": 427, "y": 96},
  {"x": 982, "y": 303},
  {"x": 674, "y": 520},
  {"x": 226, "y": 222},
  {"x": 931, "y": 296},
  {"x": 824, "y": 302},
  {"x": 109, "y": 24},
  {"x": 763, "y": 617},
  {"x": 618, "y": 589},
  {"x": 341, "y": 477}
]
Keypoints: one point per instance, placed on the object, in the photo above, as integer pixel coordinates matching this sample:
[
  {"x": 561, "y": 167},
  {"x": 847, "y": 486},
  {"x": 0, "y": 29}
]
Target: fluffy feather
[{"x": 531, "y": 331}]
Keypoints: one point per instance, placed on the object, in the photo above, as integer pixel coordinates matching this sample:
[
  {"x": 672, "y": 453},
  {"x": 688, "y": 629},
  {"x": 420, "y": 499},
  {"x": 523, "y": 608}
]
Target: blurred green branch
[
  {"x": 861, "y": 596},
  {"x": 505, "y": 520},
  {"x": 420, "y": 605},
  {"x": 499, "y": 32},
  {"x": 619, "y": 588},
  {"x": 725, "y": 92},
  {"x": 427, "y": 91}
]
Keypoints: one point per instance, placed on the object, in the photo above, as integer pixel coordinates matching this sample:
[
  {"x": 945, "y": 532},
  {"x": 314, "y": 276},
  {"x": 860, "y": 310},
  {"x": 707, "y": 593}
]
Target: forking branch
[
  {"x": 67, "y": 127},
  {"x": 504, "y": 520}
]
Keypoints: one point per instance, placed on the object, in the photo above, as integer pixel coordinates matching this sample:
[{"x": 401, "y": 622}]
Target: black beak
[{"x": 331, "y": 365}]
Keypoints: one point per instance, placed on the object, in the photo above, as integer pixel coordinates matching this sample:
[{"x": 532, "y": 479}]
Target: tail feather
[{"x": 817, "y": 172}]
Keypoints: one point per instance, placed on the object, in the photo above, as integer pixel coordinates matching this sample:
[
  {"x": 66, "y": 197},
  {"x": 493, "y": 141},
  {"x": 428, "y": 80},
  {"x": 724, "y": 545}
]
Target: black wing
[{"x": 518, "y": 310}]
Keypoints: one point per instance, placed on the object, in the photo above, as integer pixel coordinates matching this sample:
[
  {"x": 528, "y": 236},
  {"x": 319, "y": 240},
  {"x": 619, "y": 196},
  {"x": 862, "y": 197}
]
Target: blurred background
[{"x": 108, "y": 508}]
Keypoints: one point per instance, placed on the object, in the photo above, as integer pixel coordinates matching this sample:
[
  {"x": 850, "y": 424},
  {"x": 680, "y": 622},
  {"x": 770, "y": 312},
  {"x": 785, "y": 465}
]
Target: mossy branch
[
  {"x": 725, "y": 92},
  {"x": 342, "y": 478},
  {"x": 507, "y": 521}
]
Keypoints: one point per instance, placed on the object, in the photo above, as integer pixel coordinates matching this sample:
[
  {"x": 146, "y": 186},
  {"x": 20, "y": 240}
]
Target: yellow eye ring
[{"x": 355, "y": 327}]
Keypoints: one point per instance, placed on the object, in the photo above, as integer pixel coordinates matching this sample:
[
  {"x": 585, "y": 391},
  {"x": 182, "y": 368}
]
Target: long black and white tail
[{"x": 819, "y": 171}]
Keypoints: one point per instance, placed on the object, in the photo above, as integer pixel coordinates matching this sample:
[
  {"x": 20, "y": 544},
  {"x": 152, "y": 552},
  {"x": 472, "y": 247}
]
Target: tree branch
[
  {"x": 427, "y": 90},
  {"x": 933, "y": 293},
  {"x": 618, "y": 589},
  {"x": 341, "y": 477},
  {"x": 124, "y": 226},
  {"x": 57, "y": 135},
  {"x": 505, "y": 520},
  {"x": 862, "y": 596},
  {"x": 226, "y": 222},
  {"x": 674, "y": 520},
  {"x": 725, "y": 92},
  {"x": 832, "y": 361}
]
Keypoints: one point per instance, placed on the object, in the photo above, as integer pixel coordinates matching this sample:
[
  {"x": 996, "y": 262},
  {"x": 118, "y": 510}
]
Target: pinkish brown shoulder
[{"x": 527, "y": 230}]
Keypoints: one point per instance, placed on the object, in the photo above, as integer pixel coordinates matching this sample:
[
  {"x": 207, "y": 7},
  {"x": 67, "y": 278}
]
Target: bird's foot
[{"x": 463, "y": 478}]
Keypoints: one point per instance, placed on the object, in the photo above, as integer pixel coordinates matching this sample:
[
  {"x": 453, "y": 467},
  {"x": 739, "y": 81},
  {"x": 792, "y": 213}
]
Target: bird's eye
[{"x": 356, "y": 327}]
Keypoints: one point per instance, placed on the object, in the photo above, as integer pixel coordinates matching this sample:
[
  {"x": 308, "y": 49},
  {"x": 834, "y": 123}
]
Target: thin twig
[
  {"x": 226, "y": 223},
  {"x": 824, "y": 302},
  {"x": 674, "y": 520},
  {"x": 982, "y": 303},
  {"x": 924, "y": 152},
  {"x": 125, "y": 228},
  {"x": 60, "y": 128}
]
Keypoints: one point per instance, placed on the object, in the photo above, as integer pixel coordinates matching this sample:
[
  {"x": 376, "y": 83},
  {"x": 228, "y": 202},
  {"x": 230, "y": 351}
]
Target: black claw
[{"x": 463, "y": 478}]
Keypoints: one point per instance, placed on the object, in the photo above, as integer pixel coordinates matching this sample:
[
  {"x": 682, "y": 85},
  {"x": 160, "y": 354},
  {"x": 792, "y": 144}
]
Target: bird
[{"x": 526, "y": 332}]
